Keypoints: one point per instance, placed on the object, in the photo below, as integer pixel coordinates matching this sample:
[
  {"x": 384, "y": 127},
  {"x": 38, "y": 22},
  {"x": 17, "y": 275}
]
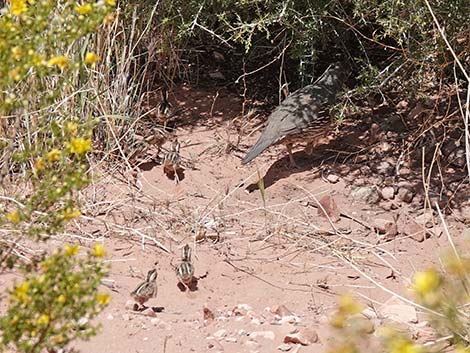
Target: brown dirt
[{"x": 249, "y": 254}]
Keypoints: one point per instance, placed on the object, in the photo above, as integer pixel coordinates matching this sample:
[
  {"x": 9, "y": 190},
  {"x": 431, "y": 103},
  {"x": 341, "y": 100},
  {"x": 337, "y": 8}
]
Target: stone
[
  {"x": 332, "y": 178},
  {"x": 269, "y": 335},
  {"x": 328, "y": 209},
  {"x": 388, "y": 193},
  {"x": 159, "y": 323},
  {"x": 306, "y": 336},
  {"x": 285, "y": 347},
  {"x": 385, "y": 168},
  {"x": 220, "y": 333},
  {"x": 367, "y": 194},
  {"x": 405, "y": 194},
  {"x": 130, "y": 304}
]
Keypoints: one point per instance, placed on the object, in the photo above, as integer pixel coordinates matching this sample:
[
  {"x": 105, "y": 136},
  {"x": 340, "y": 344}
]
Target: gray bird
[{"x": 301, "y": 116}]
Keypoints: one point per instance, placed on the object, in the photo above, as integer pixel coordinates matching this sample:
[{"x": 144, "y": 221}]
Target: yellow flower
[
  {"x": 348, "y": 306},
  {"x": 108, "y": 19},
  {"x": 18, "y": 7},
  {"x": 84, "y": 9},
  {"x": 39, "y": 164},
  {"x": 71, "y": 213},
  {"x": 403, "y": 345},
  {"x": 54, "y": 155},
  {"x": 91, "y": 59},
  {"x": 462, "y": 349},
  {"x": 15, "y": 75},
  {"x": 61, "y": 61},
  {"x": 62, "y": 298},
  {"x": 71, "y": 128},
  {"x": 103, "y": 298},
  {"x": 17, "y": 52},
  {"x": 338, "y": 320},
  {"x": 426, "y": 282},
  {"x": 58, "y": 339},
  {"x": 43, "y": 320},
  {"x": 457, "y": 265},
  {"x": 14, "y": 217},
  {"x": 110, "y": 2},
  {"x": 71, "y": 250},
  {"x": 21, "y": 292},
  {"x": 98, "y": 251},
  {"x": 80, "y": 145}
]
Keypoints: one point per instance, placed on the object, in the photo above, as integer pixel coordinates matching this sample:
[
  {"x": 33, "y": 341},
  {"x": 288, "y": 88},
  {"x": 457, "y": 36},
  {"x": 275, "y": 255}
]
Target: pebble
[
  {"x": 231, "y": 339},
  {"x": 285, "y": 347},
  {"x": 220, "y": 333},
  {"x": 405, "y": 194},
  {"x": 332, "y": 178},
  {"x": 388, "y": 193},
  {"x": 160, "y": 323},
  {"x": 263, "y": 334},
  {"x": 366, "y": 193}
]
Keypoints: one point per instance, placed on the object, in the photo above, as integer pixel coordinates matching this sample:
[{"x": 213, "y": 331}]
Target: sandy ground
[{"x": 266, "y": 269}]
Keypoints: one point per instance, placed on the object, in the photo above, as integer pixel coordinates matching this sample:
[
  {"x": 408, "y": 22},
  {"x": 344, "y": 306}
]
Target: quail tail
[{"x": 260, "y": 145}]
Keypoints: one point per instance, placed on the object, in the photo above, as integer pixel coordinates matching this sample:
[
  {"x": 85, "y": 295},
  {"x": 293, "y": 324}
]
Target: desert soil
[{"x": 267, "y": 268}]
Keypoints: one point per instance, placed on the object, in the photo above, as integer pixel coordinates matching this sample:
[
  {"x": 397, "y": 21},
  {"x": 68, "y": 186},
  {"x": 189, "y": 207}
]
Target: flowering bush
[
  {"x": 54, "y": 304},
  {"x": 45, "y": 136}
]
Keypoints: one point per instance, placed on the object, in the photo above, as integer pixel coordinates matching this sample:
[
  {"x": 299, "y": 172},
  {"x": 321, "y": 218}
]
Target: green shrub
[
  {"x": 54, "y": 304},
  {"x": 45, "y": 137}
]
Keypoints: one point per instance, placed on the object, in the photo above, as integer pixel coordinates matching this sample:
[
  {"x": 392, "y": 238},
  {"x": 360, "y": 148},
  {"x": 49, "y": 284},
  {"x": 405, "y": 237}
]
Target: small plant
[{"x": 55, "y": 304}]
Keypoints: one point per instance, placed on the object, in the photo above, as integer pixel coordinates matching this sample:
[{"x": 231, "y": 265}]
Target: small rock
[
  {"x": 220, "y": 333},
  {"x": 415, "y": 231},
  {"x": 385, "y": 168},
  {"x": 284, "y": 347},
  {"x": 457, "y": 158},
  {"x": 160, "y": 323},
  {"x": 245, "y": 307},
  {"x": 242, "y": 332},
  {"x": 110, "y": 317},
  {"x": 253, "y": 344},
  {"x": 388, "y": 193},
  {"x": 290, "y": 319},
  {"x": 208, "y": 315},
  {"x": 405, "y": 194},
  {"x": 149, "y": 312},
  {"x": 386, "y": 226},
  {"x": 332, "y": 178},
  {"x": 366, "y": 193},
  {"x": 130, "y": 304},
  {"x": 328, "y": 209},
  {"x": 255, "y": 321},
  {"x": 404, "y": 171},
  {"x": 231, "y": 339},
  {"x": 426, "y": 219},
  {"x": 305, "y": 337},
  {"x": 269, "y": 335},
  {"x": 281, "y": 310}
]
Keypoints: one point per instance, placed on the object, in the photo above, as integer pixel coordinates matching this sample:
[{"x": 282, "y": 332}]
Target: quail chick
[
  {"x": 185, "y": 269},
  {"x": 164, "y": 109},
  {"x": 301, "y": 116},
  {"x": 147, "y": 289},
  {"x": 171, "y": 161}
]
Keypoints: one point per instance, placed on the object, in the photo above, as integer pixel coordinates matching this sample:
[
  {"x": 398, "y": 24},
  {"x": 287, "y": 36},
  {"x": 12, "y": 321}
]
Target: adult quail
[{"x": 301, "y": 116}]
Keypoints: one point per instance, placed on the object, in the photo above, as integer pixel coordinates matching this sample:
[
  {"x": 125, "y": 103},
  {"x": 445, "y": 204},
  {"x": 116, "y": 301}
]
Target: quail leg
[{"x": 291, "y": 157}]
